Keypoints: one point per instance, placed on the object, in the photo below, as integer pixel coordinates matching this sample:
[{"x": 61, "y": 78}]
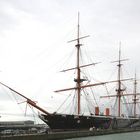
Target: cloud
[{"x": 6, "y": 13}]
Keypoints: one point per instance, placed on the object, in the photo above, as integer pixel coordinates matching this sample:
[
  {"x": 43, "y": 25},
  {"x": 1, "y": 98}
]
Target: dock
[{"x": 67, "y": 134}]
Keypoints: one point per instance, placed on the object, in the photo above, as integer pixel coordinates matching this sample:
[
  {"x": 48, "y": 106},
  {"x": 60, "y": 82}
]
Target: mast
[
  {"x": 135, "y": 96},
  {"x": 135, "y": 99},
  {"x": 78, "y": 67},
  {"x": 78, "y": 81},
  {"x": 119, "y": 90}
]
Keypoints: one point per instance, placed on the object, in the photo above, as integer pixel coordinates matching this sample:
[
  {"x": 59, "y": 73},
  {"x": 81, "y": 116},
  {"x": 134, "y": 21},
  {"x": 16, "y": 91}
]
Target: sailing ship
[{"x": 78, "y": 121}]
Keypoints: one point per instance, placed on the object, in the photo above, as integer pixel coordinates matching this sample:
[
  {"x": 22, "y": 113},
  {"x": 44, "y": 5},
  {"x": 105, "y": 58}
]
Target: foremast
[
  {"x": 78, "y": 80},
  {"x": 78, "y": 67}
]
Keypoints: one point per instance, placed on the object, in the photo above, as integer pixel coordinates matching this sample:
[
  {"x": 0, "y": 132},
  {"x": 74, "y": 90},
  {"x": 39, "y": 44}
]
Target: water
[{"x": 121, "y": 136}]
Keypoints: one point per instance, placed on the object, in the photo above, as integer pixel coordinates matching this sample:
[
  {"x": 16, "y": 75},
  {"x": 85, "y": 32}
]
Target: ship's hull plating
[
  {"x": 71, "y": 122},
  {"x": 75, "y": 122},
  {"x": 125, "y": 122}
]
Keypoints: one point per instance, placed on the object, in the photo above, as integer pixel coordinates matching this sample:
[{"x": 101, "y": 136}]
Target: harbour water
[{"x": 120, "y": 136}]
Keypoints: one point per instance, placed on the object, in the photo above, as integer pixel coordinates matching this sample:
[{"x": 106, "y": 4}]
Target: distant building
[
  {"x": 21, "y": 127},
  {"x": 8, "y": 123}
]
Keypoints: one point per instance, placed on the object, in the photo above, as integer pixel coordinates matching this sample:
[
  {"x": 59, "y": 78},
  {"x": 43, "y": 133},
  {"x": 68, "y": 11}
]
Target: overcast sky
[{"x": 34, "y": 35}]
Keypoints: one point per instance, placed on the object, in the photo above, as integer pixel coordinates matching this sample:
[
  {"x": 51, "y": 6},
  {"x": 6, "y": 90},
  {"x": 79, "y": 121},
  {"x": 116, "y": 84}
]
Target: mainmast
[{"x": 119, "y": 90}]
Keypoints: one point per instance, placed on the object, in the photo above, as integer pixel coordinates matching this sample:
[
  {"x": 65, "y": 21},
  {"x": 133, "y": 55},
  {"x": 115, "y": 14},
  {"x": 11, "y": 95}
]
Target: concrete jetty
[{"x": 67, "y": 134}]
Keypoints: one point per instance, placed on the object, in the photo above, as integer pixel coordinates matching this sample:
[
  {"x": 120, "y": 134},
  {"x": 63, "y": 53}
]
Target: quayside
[{"x": 69, "y": 134}]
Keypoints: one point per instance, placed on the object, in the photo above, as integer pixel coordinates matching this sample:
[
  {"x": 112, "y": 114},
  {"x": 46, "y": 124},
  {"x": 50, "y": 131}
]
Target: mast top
[
  {"x": 78, "y": 33},
  {"x": 120, "y": 60}
]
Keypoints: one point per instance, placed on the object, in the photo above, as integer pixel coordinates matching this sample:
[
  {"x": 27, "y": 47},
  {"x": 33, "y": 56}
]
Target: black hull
[
  {"x": 125, "y": 122},
  {"x": 72, "y": 122}
]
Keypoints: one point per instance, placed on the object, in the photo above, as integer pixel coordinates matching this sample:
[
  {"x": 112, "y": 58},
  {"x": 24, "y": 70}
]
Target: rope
[{"x": 63, "y": 102}]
